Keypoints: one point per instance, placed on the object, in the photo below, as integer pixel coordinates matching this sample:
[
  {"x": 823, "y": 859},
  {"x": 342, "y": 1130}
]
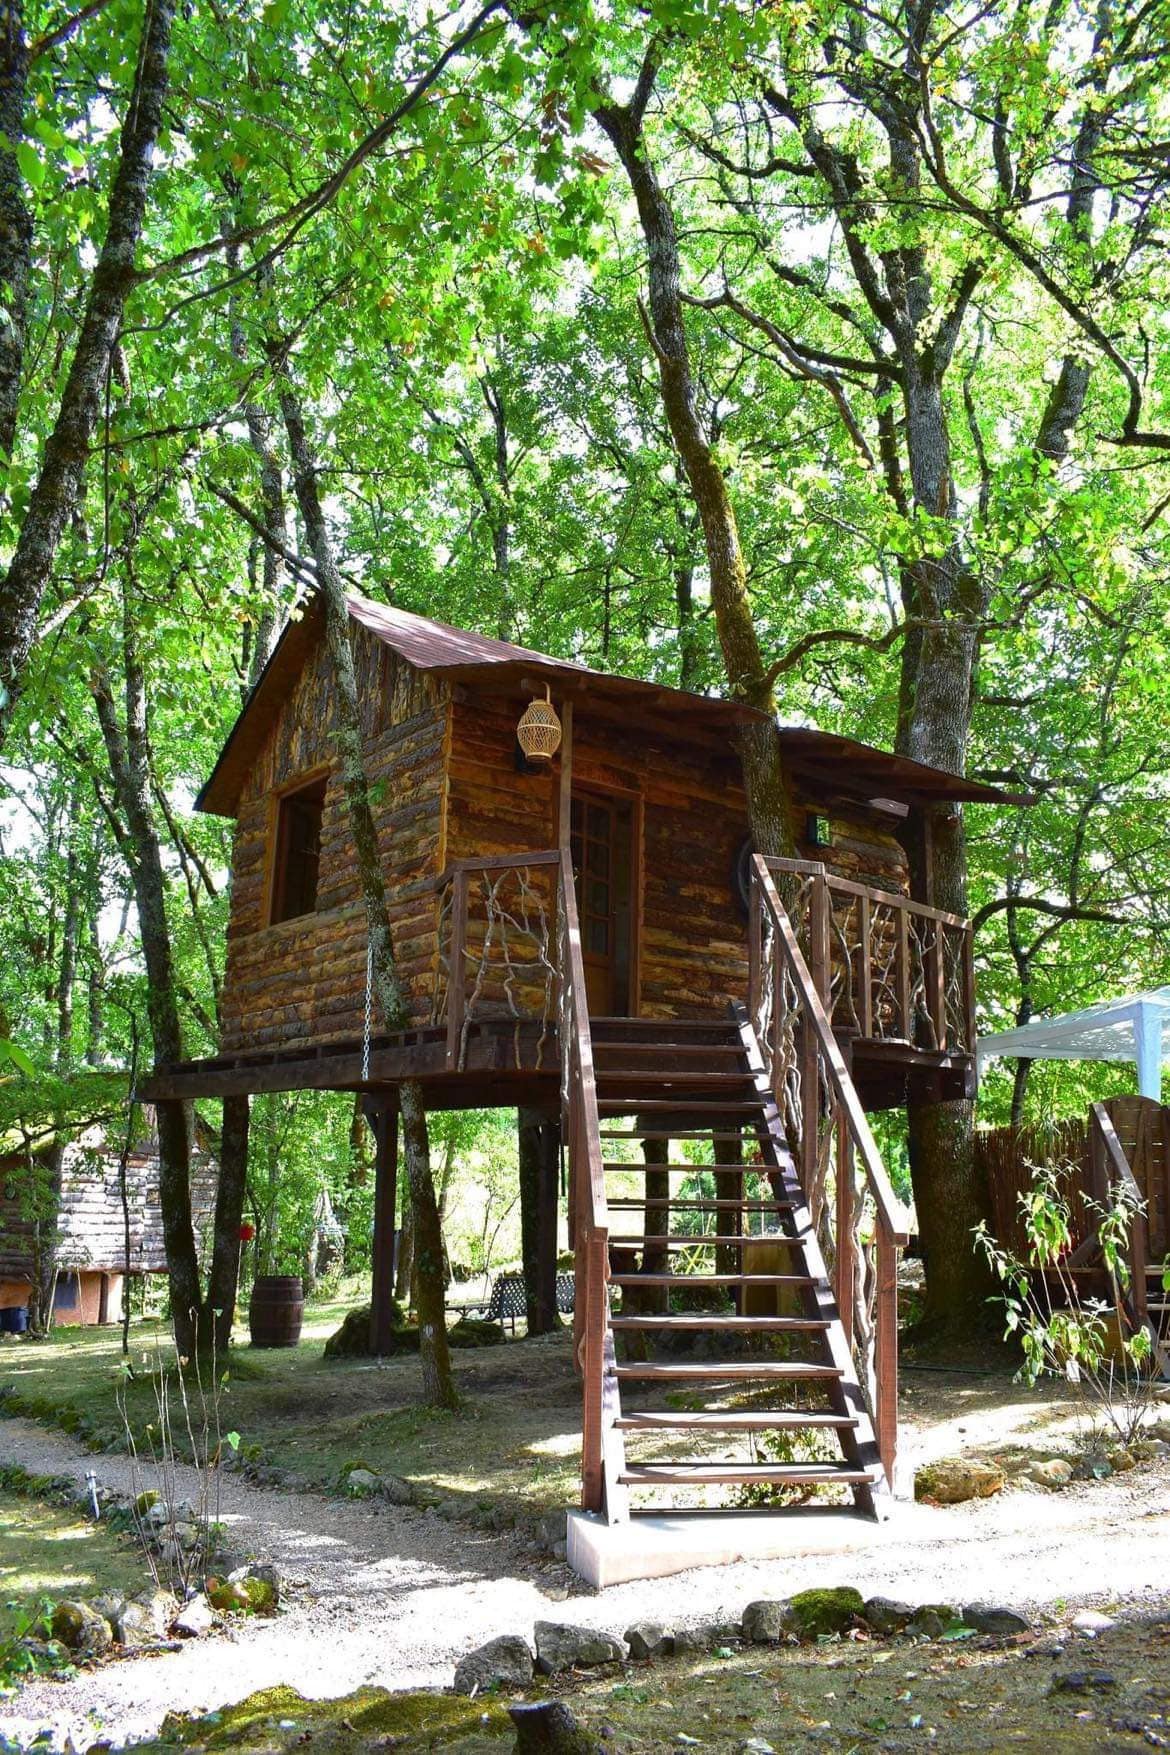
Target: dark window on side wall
[{"x": 298, "y": 852}]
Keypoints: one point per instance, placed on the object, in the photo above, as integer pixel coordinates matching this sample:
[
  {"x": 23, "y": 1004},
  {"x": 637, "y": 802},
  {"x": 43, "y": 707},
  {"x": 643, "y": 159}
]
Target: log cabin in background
[
  {"x": 587, "y": 931},
  {"x": 95, "y": 1258}
]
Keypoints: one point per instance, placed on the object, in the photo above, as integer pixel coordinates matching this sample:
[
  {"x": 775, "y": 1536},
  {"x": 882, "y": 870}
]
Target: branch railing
[
  {"x": 886, "y": 968},
  {"x": 859, "y": 1220},
  {"x": 497, "y": 949}
]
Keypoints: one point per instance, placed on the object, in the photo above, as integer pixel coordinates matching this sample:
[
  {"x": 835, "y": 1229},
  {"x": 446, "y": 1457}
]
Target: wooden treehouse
[{"x": 592, "y": 935}]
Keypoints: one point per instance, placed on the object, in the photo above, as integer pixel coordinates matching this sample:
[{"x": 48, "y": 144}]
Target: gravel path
[{"x": 394, "y": 1596}]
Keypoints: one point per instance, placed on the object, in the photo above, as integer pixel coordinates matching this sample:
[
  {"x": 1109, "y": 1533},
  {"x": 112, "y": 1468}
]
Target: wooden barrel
[
  {"x": 275, "y": 1311},
  {"x": 14, "y": 1320}
]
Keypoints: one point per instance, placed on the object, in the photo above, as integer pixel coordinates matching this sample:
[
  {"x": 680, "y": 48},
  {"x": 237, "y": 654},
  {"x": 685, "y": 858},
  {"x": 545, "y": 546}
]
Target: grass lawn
[
  {"x": 515, "y": 1441},
  {"x": 49, "y": 1550}
]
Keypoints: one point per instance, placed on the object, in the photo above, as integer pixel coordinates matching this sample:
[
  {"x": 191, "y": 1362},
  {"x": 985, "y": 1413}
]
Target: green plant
[
  {"x": 26, "y": 1650},
  {"x": 1096, "y": 1345}
]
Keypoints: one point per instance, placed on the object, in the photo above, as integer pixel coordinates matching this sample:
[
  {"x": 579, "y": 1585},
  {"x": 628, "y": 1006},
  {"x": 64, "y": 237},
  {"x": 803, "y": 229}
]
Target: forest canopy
[{"x": 816, "y": 355}]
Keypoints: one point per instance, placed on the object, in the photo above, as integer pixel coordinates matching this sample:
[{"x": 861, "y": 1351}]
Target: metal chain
[{"x": 369, "y": 1009}]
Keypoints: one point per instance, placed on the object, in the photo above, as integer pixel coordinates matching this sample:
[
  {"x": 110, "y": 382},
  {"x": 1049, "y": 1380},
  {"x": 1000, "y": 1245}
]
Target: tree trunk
[
  {"x": 224, "y": 1274},
  {"x": 438, "y": 1382},
  {"x": 538, "y": 1141},
  {"x": 404, "y": 1269},
  {"x": 748, "y": 681},
  {"x": 16, "y": 229},
  {"x": 58, "y": 487},
  {"x": 129, "y": 758}
]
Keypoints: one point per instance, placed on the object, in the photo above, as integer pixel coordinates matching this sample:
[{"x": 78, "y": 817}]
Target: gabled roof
[{"x": 455, "y": 652}]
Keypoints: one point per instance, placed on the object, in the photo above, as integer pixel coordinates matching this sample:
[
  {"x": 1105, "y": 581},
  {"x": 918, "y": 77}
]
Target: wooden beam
[
  {"x": 565, "y": 805},
  {"x": 384, "y": 1120}
]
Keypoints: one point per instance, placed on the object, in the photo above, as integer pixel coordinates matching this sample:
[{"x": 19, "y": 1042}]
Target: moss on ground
[{"x": 280, "y": 1718}]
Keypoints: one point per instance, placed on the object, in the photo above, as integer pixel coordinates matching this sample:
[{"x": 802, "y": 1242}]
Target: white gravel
[{"x": 393, "y": 1597}]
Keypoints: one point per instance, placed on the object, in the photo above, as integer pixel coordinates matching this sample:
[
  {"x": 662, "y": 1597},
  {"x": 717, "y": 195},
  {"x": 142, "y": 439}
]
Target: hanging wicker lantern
[{"x": 539, "y": 730}]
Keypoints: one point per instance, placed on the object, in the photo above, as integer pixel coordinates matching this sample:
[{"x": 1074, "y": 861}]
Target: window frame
[{"x": 316, "y": 781}]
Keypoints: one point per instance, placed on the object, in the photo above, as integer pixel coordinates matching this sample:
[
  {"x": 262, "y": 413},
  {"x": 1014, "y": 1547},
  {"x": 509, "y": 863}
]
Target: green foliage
[{"x": 1096, "y": 1345}]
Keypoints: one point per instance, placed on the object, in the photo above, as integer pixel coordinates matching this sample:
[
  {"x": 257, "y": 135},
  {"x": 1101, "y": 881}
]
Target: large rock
[
  {"x": 886, "y": 1615},
  {"x": 352, "y": 1339},
  {"x": 954, "y": 1479},
  {"x": 1052, "y": 1472},
  {"x": 396, "y": 1491},
  {"x": 646, "y": 1639},
  {"x": 501, "y": 1663},
  {"x": 81, "y": 1629},
  {"x": 560, "y": 1647},
  {"x": 990, "y": 1618},
  {"x": 820, "y": 1613},
  {"x": 195, "y": 1618},
  {"x": 361, "y": 1482},
  {"x": 767, "y": 1623},
  {"x": 547, "y": 1727},
  {"x": 134, "y": 1626},
  {"x": 932, "y": 1620}
]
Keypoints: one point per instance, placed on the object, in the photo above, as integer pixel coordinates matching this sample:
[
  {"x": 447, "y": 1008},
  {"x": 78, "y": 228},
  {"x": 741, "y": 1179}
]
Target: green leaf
[{"x": 32, "y": 167}]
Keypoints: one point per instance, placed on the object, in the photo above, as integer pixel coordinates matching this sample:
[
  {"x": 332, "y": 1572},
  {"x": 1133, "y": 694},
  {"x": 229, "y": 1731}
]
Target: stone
[
  {"x": 352, "y": 1339},
  {"x": 1093, "y": 1466},
  {"x": 1052, "y": 1472},
  {"x": 1122, "y": 1460},
  {"x": 146, "y": 1501},
  {"x": 470, "y": 1331},
  {"x": 955, "y": 1479},
  {"x": 107, "y": 1606},
  {"x": 756, "y": 1746},
  {"x": 820, "y": 1613},
  {"x": 885, "y": 1615},
  {"x": 157, "y": 1513},
  {"x": 767, "y": 1623},
  {"x": 397, "y": 1491},
  {"x": 547, "y": 1727},
  {"x": 990, "y": 1618},
  {"x": 362, "y": 1481},
  {"x": 81, "y": 1629},
  {"x": 1092, "y": 1621},
  {"x": 646, "y": 1639},
  {"x": 1084, "y": 1682},
  {"x": 266, "y": 1573},
  {"x": 195, "y": 1618},
  {"x": 501, "y": 1663},
  {"x": 161, "y": 1608},
  {"x": 931, "y": 1620},
  {"x": 706, "y": 1636},
  {"x": 550, "y": 1529},
  {"x": 561, "y": 1647}
]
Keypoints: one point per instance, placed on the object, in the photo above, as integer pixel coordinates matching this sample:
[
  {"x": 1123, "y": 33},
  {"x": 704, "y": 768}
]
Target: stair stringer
[{"x": 859, "y": 1444}]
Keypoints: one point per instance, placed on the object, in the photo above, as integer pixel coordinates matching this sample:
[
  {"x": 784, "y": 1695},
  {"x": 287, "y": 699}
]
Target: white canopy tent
[{"x": 1135, "y": 1028}]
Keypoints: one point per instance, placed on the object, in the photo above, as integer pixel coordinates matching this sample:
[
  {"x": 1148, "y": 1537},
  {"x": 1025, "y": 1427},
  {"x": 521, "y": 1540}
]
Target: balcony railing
[{"x": 887, "y": 969}]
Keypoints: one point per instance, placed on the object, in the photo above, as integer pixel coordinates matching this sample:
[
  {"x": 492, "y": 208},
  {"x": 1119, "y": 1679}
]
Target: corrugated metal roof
[
  {"x": 444, "y": 650},
  {"x": 431, "y": 645}
]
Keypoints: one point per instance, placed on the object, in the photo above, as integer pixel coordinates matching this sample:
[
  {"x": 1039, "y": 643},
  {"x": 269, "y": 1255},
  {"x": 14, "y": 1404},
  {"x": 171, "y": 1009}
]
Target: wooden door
[{"x": 600, "y": 845}]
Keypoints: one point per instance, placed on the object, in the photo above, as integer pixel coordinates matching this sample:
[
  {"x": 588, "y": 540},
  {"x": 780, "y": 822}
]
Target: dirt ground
[{"x": 393, "y": 1596}]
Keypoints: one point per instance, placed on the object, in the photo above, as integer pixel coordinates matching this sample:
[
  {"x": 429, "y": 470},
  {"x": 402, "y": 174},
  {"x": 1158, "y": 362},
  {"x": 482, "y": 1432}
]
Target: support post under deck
[{"x": 384, "y": 1121}]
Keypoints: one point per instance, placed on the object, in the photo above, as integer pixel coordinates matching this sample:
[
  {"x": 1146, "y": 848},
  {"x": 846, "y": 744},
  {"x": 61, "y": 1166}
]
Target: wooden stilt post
[
  {"x": 384, "y": 1120},
  {"x": 548, "y": 1210}
]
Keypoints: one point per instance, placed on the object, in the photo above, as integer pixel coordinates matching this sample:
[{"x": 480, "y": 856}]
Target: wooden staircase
[
  {"x": 770, "y": 1370},
  {"x": 719, "y": 1345}
]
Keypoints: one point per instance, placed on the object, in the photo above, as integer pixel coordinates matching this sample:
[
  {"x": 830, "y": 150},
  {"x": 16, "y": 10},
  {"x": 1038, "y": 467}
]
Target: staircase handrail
[
  {"x": 1119, "y": 1173},
  {"x": 593, "y": 1337},
  {"x": 892, "y": 1215}
]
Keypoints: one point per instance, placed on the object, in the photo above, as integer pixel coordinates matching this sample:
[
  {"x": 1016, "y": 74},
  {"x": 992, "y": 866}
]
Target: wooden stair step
[
  {"x": 658, "y": 1280},
  {"x": 703, "y": 1474},
  {"x": 701, "y": 1204},
  {"x": 672, "y": 1240},
  {"x": 639, "y": 1164},
  {"x": 672, "y": 1076},
  {"x": 674, "y": 1133},
  {"x": 714, "y": 1420},
  {"x": 681, "y": 1105},
  {"x": 787, "y": 1370},
  {"x": 714, "y": 1322},
  {"x": 688, "y": 1050}
]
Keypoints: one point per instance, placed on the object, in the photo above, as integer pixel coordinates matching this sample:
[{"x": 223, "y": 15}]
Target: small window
[{"x": 298, "y": 852}]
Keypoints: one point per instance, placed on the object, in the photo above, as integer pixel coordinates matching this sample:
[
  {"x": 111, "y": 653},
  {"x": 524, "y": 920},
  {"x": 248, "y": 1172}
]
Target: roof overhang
[{"x": 848, "y": 767}]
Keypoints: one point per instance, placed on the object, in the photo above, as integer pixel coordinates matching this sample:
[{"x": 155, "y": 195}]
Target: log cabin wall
[
  {"x": 691, "y": 932},
  {"x": 302, "y": 981}
]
